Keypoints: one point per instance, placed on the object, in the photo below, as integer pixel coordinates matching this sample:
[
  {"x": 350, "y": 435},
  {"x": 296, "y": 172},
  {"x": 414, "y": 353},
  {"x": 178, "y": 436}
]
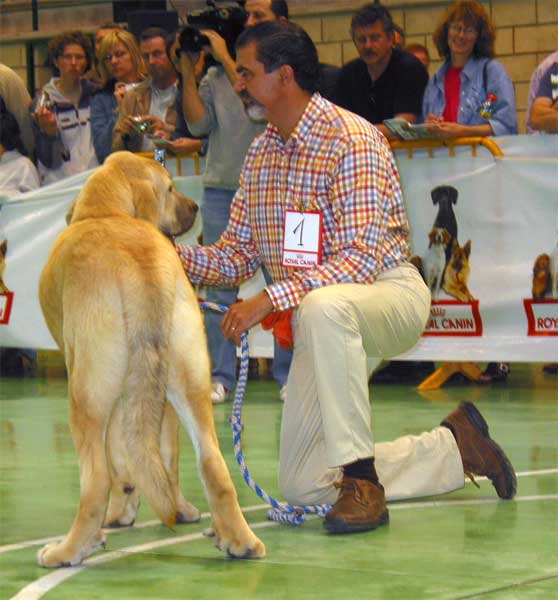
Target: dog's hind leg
[
  {"x": 90, "y": 408},
  {"x": 124, "y": 496},
  {"x": 185, "y": 511},
  {"x": 189, "y": 392}
]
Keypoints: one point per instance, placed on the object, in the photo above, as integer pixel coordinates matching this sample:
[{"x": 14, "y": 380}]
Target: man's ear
[{"x": 286, "y": 74}]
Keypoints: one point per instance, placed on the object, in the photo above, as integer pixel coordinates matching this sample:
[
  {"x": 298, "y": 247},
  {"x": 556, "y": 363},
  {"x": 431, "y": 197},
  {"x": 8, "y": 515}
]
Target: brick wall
[{"x": 527, "y": 30}]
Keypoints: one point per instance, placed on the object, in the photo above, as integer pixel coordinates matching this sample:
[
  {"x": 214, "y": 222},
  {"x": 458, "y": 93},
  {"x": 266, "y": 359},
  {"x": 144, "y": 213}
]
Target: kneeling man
[{"x": 319, "y": 205}]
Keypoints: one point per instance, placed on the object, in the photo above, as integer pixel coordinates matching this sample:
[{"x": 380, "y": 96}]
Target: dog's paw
[
  {"x": 58, "y": 554},
  {"x": 187, "y": 513},
  {"x": 122, "y": 510},
  {"x": 249, "y": 547}
]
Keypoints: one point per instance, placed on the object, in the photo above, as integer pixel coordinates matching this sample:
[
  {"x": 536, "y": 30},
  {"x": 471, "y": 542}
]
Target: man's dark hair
[
  {"x": 280, "y": 8},
  {"x": 284, "y": 43},
  {"x": 369, "y": 14},
  {"x": 155, "y": 32}
]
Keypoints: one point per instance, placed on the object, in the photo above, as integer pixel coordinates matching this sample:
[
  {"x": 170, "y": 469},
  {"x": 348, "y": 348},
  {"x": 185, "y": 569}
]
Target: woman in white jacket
[{"x": 62, "y": 115}]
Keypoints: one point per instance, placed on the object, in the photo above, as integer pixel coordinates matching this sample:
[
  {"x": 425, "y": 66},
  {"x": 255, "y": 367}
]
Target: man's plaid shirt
[{"x": 334, "y": 162}]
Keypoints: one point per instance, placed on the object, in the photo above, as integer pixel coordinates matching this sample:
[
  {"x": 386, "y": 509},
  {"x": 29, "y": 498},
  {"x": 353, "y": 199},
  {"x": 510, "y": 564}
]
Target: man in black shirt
[{"x": 385, "y": 82}]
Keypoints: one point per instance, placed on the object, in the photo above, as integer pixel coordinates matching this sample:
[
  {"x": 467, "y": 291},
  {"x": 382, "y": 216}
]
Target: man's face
[
  {"x": 373, "y": 44},
  {"x": 259, "y": 11},
  {"x": 260, "y": 91},
  {"x": 154, "y": 53}
]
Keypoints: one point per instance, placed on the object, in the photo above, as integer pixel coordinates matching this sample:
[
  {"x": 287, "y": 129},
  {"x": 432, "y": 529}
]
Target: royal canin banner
[{"x": 484, "y": 235}]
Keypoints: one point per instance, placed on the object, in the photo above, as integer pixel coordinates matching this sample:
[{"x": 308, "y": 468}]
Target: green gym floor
[{"x": 467, "y": 544}]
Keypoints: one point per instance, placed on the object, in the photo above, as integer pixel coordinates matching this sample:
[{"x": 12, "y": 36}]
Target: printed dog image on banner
[
  {"x": 542, "y": 308},
  {"x": 445, "y": 267},
  {"x": 3, "y": 252},
  {"x": 117, "y": 301},
  {"x": 6, "y": 296}
]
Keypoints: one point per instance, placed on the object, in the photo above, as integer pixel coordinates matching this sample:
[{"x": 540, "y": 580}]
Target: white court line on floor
[
  {"x": 38, "y": 588},
  {"x": 254, "y": 507}
]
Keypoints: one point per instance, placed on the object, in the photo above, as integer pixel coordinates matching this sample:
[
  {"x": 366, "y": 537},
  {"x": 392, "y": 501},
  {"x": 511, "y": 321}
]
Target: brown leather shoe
[
  {"x": 480, "y": 454},
  {"x": 361, "y": 506}
]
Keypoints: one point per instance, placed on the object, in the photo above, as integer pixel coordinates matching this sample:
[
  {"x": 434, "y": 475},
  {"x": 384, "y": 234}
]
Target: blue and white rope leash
[{"x": 280, "y": 511}]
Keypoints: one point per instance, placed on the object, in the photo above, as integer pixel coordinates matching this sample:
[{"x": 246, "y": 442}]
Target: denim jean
[
  {"x": 216, "y": 210},
  {"x": 281, "y": 357}
]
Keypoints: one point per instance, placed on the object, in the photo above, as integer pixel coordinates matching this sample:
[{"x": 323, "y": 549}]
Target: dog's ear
[
  {"x": 452, "y": 194},
  {"x": 146, "y": 201},
  {"x": 4, "y": 247},
  {"x": 446, "y": 236},
  {"x": 435, "y": 195},
  {"x": 70, "y": 213},
  {"x": 467, "y": 248}
]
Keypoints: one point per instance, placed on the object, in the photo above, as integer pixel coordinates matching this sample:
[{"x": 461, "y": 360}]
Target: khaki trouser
[{"x": 338, "y": 329}]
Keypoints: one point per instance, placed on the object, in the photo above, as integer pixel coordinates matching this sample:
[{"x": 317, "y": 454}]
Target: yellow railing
[
  {"x": 430, "y": 145},
  {"x": 178, "y": 157}
]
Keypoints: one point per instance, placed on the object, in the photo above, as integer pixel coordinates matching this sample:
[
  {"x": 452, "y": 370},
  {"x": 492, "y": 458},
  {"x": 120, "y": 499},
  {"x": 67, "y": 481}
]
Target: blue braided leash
[{"x": 281, "y": 511}]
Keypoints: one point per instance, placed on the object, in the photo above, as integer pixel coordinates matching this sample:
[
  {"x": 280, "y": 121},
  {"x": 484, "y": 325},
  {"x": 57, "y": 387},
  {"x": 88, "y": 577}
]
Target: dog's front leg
[{"x": 186, "y": 512}]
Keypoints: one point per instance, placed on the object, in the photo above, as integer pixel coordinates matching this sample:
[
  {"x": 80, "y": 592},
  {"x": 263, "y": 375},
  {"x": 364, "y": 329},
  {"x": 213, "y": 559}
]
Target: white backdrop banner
[{"x": 487, "y": 303}]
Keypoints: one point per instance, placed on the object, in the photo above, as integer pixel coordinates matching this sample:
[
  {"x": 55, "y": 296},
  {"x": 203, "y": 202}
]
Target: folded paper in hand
[{"x": 407, "y": 131}]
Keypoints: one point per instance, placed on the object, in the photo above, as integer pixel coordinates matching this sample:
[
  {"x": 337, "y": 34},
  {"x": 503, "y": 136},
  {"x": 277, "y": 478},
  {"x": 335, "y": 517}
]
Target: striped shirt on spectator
[{"x": 334, "y": 162}]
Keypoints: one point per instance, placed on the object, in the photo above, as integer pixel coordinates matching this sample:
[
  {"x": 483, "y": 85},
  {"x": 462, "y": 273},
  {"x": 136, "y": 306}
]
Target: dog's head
[
  {"x": 459, "y": 261},
  {"x": 444, "y": 193},
  {"x": 136, "y": 186},
  {"x": 439, "y": 236}
]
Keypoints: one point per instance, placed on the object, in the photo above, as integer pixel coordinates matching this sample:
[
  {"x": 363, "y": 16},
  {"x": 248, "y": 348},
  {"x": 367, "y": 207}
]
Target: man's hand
[
  {"x": 218, "y": 47},
  {"x": 243, "y": 315}
]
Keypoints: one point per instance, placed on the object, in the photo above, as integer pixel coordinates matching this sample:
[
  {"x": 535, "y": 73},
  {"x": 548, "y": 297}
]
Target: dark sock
[{"x": 362, "y": 469}]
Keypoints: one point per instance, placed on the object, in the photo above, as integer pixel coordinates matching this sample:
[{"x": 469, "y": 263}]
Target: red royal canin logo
[
  {"x": 452, "y": 318},
  {"x": 542, "y": 316}
]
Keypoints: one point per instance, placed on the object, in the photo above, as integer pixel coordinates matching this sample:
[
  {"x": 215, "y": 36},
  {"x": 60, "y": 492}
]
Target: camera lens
[{"x": 191, "y": 40}]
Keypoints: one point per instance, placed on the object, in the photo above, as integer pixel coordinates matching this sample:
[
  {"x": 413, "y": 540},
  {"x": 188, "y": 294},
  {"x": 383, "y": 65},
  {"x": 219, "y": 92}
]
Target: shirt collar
[{"x": 300, "y": 133}]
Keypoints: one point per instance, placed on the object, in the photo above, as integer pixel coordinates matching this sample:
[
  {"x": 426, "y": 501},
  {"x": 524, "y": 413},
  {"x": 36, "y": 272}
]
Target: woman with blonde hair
[
  {"x": 471, "y": 94},
  {"x": 121, "y": 68}
]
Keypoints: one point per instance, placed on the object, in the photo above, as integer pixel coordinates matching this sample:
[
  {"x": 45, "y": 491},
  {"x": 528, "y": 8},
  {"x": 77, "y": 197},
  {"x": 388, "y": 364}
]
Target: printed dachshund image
[
  {"x": 434, "y": 261},
  {"x": 457, "y": 272},
  {"x": 554, "y": 273},
  {"x": 545, "y": 276},
  {"x": 541, "y": 277},
  {"x": 445, "y": 196},
  {"x": 3, "y": 252}
]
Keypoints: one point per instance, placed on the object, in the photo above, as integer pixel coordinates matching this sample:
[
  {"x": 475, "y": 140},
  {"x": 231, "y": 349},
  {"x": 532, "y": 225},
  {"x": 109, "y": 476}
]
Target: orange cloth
[{"x": 280, "y": 323}]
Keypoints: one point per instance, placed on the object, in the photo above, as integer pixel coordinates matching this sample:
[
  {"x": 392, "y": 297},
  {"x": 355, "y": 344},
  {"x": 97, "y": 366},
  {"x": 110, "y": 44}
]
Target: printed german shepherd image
[
  {"x": 117, "y": 302},
  {"x": 445, "y": 264},
  {"x": 3, "y": 252}
]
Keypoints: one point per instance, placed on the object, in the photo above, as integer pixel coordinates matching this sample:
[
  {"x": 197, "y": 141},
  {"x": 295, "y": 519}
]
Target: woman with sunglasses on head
[
  {"x": 121, "y": 67},
  {"x": 61, "y": 111},
  {"x": 471, "y": 94}
]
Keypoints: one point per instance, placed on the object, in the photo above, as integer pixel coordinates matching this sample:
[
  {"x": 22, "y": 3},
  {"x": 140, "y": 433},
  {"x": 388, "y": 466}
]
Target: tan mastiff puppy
[{"x": 117, "y": 302}]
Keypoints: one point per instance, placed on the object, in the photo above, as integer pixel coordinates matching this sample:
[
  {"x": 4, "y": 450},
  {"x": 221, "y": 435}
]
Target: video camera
[{"x": 228, "y": 21}]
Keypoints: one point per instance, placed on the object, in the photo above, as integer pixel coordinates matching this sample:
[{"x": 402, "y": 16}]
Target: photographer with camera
[
  {"x": 215, "y": 110},
  {"x": 148, "y": 111}
]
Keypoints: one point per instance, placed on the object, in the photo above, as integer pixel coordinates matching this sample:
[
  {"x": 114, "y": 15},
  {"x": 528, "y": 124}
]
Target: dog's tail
[{"x": 146, "y": 390}]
